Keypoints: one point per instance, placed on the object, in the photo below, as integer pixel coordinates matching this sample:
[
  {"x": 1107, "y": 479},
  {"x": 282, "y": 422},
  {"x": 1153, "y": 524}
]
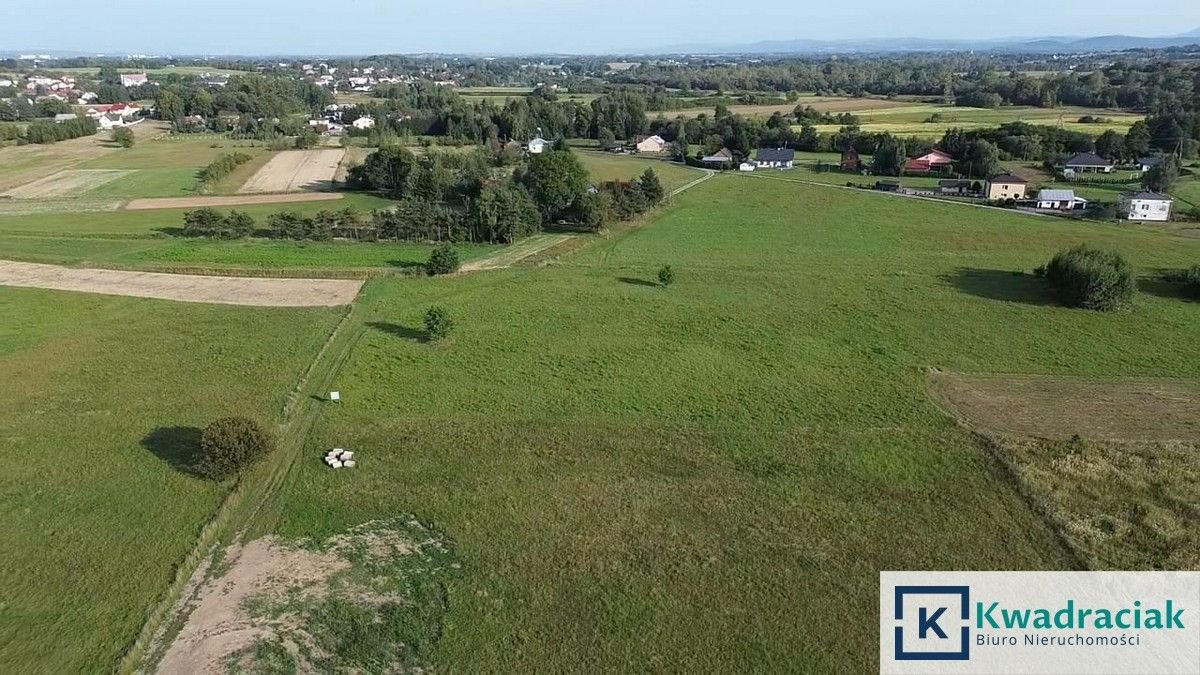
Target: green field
[
  {"x": 96, "y": 513},
  {"x": 605, "y": 166},
  {"x": 913, "y": 119},
  {"x": 636, "y": 476}
]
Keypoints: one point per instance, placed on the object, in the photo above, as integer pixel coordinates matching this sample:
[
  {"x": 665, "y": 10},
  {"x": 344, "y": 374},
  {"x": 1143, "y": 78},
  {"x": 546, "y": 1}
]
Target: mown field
[
  {"x": 103, "y": 396},
  {"x": 709, "y": 477},
  {"x": 605, "y": 166},
  {"x": 917, "y": 119}
]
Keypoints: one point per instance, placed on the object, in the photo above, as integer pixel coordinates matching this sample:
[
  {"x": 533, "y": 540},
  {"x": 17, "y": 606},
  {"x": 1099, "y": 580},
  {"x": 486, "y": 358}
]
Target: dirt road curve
[
  {"x": 183, "y": 287},
  {"x": 232, "y": 200},
  {"x": 296, "y": 170}
]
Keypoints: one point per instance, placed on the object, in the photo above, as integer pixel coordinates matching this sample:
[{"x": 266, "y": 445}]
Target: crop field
[
  {"x": 98, "y": 509},
  {"x": 65, "y": 183},
  {"x": 909, "y": 119},
  {"x": 296, "y": 170},
  {"x": 674, "y": 460},
  {"x": 831, "y": 104}
]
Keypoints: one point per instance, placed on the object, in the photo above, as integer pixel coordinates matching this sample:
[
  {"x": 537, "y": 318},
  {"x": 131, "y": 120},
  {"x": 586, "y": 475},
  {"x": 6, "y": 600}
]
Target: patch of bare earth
[
  {"x": 1058, "y": 408},
  {"x": 229, "y": 200},
  {"x": 219, "y": 625},
  {"x": 296, "y": 170},
  {"x": 255, "y": 292},
  {"x": 285, "y": 606}
]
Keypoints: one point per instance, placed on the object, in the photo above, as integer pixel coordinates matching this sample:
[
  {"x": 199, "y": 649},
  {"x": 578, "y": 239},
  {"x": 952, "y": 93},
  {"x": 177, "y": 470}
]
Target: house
[
  {"x": 1060, "y": 200},
  {"x": 747, "y": 166},
  {"x": 1006, "y": 186},
  {"x": 537, "y": 145},
  {"x": 954, "y": 187},
  {"x": 721, "y": 157},
  {"x": 1151, "y": 206},
  {"x": 1087, "y": 162},
  {"x": 851, "y": 161},
  {"x": 133, "y": 79},
  {"x": 887, "y": 185},
  {"x": 781, "y": 158},
  {"x": 651, "y": 144},
  {"x": 363, "y": 123},
  {"x": 64, "y": 117},
  {"x": 1144, "y": 164},
  {"x": 929, "y": 163},
  {"x": 108, "y": 121}
]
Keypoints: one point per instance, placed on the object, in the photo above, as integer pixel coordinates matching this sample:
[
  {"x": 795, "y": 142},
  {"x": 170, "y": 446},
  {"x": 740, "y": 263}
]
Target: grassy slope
[
  {"x": 711, "y": 476},
  {"x": 604, "y": 166},
  {"x": 93, "y": 520}
]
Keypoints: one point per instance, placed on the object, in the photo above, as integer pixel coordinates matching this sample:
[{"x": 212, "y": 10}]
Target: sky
[{"x": 328, "y": 27}]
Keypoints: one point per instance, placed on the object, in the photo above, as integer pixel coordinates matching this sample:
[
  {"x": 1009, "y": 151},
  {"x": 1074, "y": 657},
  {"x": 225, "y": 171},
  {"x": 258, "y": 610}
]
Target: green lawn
[
  {"x": 605, "y": 166},
  {"x": 914, "y": 119},
  {"x": 710, "y": 477},
  {"x": 96, "y": 513}
]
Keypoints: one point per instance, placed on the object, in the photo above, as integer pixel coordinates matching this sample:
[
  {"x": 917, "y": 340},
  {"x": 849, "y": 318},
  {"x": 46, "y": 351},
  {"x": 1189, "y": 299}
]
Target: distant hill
[{"x": 1049, "y": 44}]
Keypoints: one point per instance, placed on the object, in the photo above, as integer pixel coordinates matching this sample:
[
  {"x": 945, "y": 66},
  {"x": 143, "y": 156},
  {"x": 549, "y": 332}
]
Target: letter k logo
[{"x": 925, "y": 623}]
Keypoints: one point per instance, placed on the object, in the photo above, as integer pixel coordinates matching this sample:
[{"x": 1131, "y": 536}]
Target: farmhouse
[
  {"x": 133, "y": 79},
  {"x": 1060, "y": 200},
  {"x": 720, "y": 157},
  {"x": 1144, "y": 164},
  {"x": 1006, "y": 186},
  {"x": 1150, "y": 206},
  {"x": 781, "y": 158},
  {"x": 363, "y": 123},
  {"x": 928, "y": 163},
  {"x": 651, "y": 144},
  {"x": 1087, "y": 162},
  {"x": 537, "y": 145},
  {"x": 851, "y": 160}
]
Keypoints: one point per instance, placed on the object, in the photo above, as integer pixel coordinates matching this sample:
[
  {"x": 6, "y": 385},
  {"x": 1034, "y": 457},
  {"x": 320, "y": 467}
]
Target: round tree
[
  {"x": 666, "y": 276},
  {"x": 231, "y": 444},
  {"x": 443, "y": 260},
  {"x": 1092, "y": 278},
  {"x": 438, "y": 323}
]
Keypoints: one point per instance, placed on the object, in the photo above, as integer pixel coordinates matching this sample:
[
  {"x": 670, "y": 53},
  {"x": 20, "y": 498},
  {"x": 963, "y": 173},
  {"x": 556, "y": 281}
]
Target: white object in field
[
  {"x": 337, "y": 463},
  {"x": 349, "y": 464},
  {"x": 335, "y": 396},
  {"x": 347, "y": 455}
]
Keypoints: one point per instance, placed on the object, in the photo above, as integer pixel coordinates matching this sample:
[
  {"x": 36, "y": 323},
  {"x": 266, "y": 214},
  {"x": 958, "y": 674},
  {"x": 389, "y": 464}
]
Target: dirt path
[
  {"x": 229, "y": 200},
  {"x": 296, "y": 170},
  {"x": 511, "y": 255},
  {"x": 182, "y": 287}
]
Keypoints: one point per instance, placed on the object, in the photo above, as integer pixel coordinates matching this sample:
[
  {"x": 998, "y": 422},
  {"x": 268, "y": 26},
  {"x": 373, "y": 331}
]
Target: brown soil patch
[
  {"x": 296, "y": 170},
  {"x": 66, "y": 183},
  {"x": 184, "y": 288},
  {"x": 231, "y": 200},
  {"x": 218, "y": 626},
  {"x": 1058, "y": 408}
]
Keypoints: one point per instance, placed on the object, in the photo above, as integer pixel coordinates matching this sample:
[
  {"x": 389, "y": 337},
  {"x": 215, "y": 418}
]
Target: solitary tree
[
  {"x": 889, "y": 156},
  {"x": 1162, "y": 177},
  {"x": 438, "y": 323},
  {"x": 982, "y": 159},
  {"x": 229, "y": 445},
  {"x": 443, "y": 260},
  {"x": 652, "y": 187},
  {"x": 123, "y": 137},
  {"x": 666, "y": 276}
]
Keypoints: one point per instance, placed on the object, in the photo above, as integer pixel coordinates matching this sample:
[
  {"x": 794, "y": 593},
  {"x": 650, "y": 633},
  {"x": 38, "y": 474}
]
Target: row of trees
[{"x": 51, "y": 132}]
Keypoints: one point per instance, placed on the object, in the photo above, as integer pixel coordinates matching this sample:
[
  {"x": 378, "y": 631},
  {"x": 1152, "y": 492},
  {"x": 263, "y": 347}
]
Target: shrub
[
  {"x": 438, "y": 323},
  {"x": 1091, "y": 278},
  {"x": 1191, "y": 281},
  {"x": 666, "y": 276},
  {"x": 123, "y": 137},
  {"x": 231, "y": 444},
  {"x": 443, "y": 260}
]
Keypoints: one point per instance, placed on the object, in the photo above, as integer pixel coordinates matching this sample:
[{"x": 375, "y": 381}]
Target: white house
[
  {"x": 133, "y": 79},
  {"x": 1061, "y": 200},
  {"x": 1151, "y": 206},
  {"x": 109, "y": 121},
  {"x": 538, "y": 145},
  {"x": 747, "y": 166},
  {"x": 652, "y": 144},
  {"x": 363, "y": 123}
]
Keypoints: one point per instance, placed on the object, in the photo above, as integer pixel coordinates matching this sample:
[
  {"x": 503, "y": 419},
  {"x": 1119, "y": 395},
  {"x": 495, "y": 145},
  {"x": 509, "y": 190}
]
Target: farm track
[{"x": 511, "y": 255}]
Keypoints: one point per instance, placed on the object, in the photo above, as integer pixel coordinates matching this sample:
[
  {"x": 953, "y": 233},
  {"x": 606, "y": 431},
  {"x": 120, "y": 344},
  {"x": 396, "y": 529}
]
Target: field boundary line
[{"x": 264, "y": 482}]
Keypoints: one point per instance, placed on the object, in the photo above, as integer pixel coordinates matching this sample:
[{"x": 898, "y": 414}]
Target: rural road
[{"x": 184, "y": 287}]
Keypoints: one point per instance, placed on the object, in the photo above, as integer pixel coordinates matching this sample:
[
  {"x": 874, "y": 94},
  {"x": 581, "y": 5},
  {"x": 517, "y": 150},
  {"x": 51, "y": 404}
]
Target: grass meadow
[
  {"x": 605, "y": 166},
  {"x": 710, "y": 476},
  {"x": 102, "y": 394},
  {"x": 916, "y": 119}
]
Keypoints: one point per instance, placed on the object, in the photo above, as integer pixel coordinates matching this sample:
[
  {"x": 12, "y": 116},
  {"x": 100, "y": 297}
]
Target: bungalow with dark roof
[
  {"x": 1087, "y": 162},
  {"x": 781, "y": 158},
  {"x": 1144, "y": 164}
]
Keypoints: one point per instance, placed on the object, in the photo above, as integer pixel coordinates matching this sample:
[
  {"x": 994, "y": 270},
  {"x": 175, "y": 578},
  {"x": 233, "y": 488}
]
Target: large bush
[
  {"x": 231, "y": 444},
  {"x": 1092, "y": 278},
  {"x": 438, "y": 324},
  {"x": 1191, "y": 281},
  {"x": 443, "y": 260}
]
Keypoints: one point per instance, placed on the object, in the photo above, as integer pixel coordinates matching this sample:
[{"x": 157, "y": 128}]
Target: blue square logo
[{"x": 933, "y": 623}]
